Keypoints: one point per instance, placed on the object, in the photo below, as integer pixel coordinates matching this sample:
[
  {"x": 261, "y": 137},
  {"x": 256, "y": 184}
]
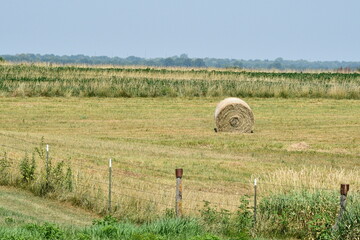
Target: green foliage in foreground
[
  {"x": 299, "y": 215},
  {"x": 109, "y": 228},
  {"x": 308, "y": 215},
  {"x": 280, "y": 217}
]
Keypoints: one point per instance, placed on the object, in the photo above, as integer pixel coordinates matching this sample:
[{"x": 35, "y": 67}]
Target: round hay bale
[{"x": 234, "y": 115}]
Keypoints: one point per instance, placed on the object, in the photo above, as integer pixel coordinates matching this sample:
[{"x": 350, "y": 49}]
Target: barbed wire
[
  {"x": 129, "y": 188},
  {"x": 126, "y": 174},
  {"x": 294, "y": 186},
  {"x": 89, "y": 155},
  {"x": 212, "y": 202},
  {"x": 141, "y": 198},
  {"x": 212, "y": 191},
  {"x": 16, "y": 148},
  {"x": 171, "y": 186},
  {"x": 159, "y": 174},
  {"x": 147, "y": 168},
  {"x": 190, "y": 190}
]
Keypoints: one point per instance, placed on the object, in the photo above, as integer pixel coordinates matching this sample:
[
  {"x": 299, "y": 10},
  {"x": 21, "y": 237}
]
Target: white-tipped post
[
  {"x": 110, "y": 173},
  {"x": 255, "y": 193},
  {"x": 47, "y": 166}
]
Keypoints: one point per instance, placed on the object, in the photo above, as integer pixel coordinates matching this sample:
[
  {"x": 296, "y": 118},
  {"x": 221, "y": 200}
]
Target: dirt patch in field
[{"x": 301, "y": 146}]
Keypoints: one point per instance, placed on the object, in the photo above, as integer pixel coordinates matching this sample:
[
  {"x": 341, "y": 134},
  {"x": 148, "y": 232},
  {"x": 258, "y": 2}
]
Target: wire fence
[{"x": 113, "y": 186}]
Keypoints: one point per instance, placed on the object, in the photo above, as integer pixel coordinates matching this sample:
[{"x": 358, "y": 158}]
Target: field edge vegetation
[{"x": 30, "y": 80}]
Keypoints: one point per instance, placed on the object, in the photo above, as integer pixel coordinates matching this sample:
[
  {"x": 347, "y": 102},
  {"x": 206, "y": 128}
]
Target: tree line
[{"x": 184, "y": 61}]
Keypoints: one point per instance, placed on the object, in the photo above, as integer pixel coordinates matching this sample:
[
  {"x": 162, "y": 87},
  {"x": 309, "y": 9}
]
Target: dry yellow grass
[{"x": 325, "y": 178}]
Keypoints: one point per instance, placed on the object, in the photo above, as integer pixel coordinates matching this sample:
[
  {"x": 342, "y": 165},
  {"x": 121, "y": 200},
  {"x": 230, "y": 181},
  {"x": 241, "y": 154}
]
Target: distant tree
[
  {"x": 183, "y": 62},
  {"x": 198, "y": 62},
  {"x": 169, "y": 62},
  {"x": 238, "y": 64},
  {"x": 133, "y": 60},
  {"x": 276, "y": 65}
]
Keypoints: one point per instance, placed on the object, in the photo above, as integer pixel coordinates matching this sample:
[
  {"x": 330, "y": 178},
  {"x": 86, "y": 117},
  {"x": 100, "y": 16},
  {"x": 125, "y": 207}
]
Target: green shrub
[
  {"x": 300, "y": 214},
  {"x": 348, "y": 227},
  {"x": 205, "y": 237},
  {"x": 107, "y": 220},
  {"x": 46, "y": 231},
  {"x": 224, "y": 222},
  {"x": 27, "y": 169},
  {"x": 146, "y": 236}
]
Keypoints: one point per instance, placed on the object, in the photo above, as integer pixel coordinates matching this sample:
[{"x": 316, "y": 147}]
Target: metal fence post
[
  {"x": 178, "y": 198},
  {"x": 110, "y": 183},
  {"x": 255, "y": 193},
  {"x": 47, "y": 167}
]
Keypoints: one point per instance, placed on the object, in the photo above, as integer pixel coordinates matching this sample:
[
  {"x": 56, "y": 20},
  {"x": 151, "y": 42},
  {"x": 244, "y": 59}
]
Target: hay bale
[{"x": 234, "y": 115}]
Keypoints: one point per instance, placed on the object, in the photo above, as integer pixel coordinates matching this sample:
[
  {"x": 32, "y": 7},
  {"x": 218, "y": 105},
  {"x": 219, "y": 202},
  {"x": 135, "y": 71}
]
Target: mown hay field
[
  {"x": 304, "y": 140},
  {"x": 149, "y": 137}
]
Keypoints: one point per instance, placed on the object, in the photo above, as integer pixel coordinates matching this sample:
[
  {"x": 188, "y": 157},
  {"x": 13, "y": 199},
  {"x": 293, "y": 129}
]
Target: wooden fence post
[
  {"x": 178, "y": 197},
  {"x": 344, "y": 188}
]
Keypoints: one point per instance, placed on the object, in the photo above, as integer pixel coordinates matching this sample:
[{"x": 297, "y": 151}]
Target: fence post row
[
  {"x": 178, "y": 197},
  {"x": 344, "y": 189},
  {"x": 110, "y": 183}
]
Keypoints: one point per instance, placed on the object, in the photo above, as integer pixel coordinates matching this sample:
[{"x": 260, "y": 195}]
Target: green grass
[
  {"x": 295, "y": 215},
  {"x": 106, "y": 81},
  {"x": 109, "y": 229},
  {"x": 18, "y": 207}
]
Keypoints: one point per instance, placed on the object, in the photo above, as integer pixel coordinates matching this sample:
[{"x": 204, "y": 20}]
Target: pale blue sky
[{"x": 253, "y": 29}]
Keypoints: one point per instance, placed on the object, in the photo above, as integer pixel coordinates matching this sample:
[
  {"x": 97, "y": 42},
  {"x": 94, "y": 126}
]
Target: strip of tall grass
[
  {"x": 295, "y": 215},
  {"x": 308, "y": 215},
  {"x": 110, "y": 228},
  {"x": 40, "y": 80}
]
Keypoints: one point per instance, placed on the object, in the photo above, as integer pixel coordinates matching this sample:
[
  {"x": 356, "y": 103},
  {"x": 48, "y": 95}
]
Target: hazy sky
[{"x": 252, "y": 29}]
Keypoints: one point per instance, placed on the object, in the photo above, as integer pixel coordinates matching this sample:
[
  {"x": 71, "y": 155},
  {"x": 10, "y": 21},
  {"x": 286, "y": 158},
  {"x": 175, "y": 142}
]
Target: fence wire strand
[{"x": 162, "y": 190}]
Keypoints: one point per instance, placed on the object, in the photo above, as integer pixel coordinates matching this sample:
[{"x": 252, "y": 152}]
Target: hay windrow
[{"x": 234, "y": 115}]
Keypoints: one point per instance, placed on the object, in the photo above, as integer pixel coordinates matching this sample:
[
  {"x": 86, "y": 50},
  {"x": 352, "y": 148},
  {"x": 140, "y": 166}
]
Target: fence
[{"x": 116, "y": 187}]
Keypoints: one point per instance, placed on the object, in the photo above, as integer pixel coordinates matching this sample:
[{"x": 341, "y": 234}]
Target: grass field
[
  {"x": 148, "y": 138},
  {"x": 19, "y": 207},
  {"x": 151, "y": 121}
]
